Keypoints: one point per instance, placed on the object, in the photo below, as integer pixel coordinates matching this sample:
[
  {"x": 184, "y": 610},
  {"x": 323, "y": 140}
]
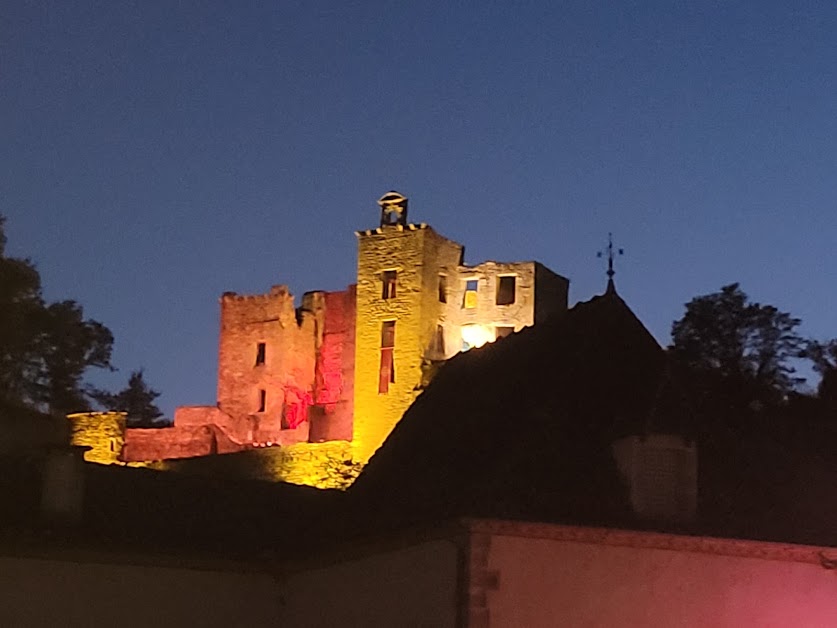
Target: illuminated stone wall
[
  {"x": 102, "y": 432},
  {"x": 485, "y": 314},
  {"x": 286, "y": 374},
  {"x": 417, "y": 254},
  {"x": 322, "y": 465},
  {"x": 537, "y": 293},
  {"x": 309, "y": 355},
  {"x": 197, "y": 431},
  {"x": 330, "y": 417},
  {"x": 442, "y": 259}
]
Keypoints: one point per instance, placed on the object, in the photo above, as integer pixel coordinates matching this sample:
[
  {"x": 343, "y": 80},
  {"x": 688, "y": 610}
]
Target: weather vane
[{"x": 611, "y": 253}]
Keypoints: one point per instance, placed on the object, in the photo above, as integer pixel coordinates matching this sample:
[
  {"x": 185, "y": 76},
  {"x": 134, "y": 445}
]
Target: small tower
[
  {"x": 393, "y": 209},
  {"x": 398, "y": 314}
]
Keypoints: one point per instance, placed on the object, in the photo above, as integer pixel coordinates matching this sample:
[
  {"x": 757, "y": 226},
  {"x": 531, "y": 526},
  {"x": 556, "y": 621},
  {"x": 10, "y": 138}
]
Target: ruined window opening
[
  {"x": 387, "y": 370},
  {"x": 260, "y": 353},
  {"x": 503, "y": 330},
  {"x": 506, "y": 285},
  {"x": 113, "y": 445},
  {"x": 443, "y": 289},
  {"x": 388, "y": 335},
  {"x": 388, "y": 278},
  {"x": 469, "y": 302},
  {"x": 262, "y": 400},
  {"x": 440, "y": 340}
]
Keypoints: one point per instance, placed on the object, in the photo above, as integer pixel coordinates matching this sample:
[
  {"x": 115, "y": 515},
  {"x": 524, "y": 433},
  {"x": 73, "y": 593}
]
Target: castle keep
[{"x": 329, "y": 379}]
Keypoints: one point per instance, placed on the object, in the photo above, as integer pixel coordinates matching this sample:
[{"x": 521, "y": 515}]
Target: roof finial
[{"x": 611, "y": 253}]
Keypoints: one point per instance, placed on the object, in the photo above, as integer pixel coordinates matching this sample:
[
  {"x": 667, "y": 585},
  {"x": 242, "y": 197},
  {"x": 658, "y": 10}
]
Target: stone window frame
[
  {"x": 386, "y": 372},
  {"x": 261, "y": 353},
  {"x": 470, "y": 304},
  {"x": 262, "y": 400},
  {"x": 500, "y": 296},
  {"x": 389, "y": 282}
]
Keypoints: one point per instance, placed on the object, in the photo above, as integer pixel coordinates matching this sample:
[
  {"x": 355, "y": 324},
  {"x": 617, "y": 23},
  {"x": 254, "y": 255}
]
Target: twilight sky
[{"x": 156, "y": 154}]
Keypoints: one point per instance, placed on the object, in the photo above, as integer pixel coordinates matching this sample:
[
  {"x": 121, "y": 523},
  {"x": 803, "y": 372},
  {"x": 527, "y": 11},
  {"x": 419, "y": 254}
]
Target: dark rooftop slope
[
  {"x": 145, "y": 511},
  {"x": 522, "y": 427}
]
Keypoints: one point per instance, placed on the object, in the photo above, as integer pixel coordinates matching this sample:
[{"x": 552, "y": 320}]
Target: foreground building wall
[
  {"x": 506, "y": 574},
  {"x": 544, "y": 575},
  {"x": 91, "y": 590},
  {"x": 483, "y": 574},
  {"x": 410, "y": 586}
]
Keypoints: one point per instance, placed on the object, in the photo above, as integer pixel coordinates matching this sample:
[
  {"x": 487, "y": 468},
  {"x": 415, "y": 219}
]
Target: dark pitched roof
[{"x": 522, "y": 427}]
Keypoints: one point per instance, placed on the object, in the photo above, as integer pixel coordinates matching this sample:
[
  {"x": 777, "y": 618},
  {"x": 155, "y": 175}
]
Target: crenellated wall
[{"x": 286, "y": 375}]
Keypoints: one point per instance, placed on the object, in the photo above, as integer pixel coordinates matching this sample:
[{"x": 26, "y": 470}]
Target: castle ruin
[{"x": 329, "y": 379}]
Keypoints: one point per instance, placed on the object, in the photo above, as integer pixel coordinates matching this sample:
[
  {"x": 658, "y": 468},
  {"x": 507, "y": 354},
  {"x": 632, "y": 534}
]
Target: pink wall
[
  {"x": 637, "y": 579},
  {"x": 239, "y": 430},
  {"x": 331, "y": 419},
  {"x": 197, "y": 431},
  {"x": 287, "y": 373}
]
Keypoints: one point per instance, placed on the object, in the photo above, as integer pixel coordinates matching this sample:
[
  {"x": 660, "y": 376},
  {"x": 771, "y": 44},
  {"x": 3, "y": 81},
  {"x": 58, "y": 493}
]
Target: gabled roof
[{"x": 522, "y": 427}]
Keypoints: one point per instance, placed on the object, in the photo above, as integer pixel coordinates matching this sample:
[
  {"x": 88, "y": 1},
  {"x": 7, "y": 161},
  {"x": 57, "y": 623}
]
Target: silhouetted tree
[
  {"x": 823, "y": 355},
  {"x": 45, "y": 349},
  {"x": 137, "y": 399},
  {"x": 69, "y": 345},
  {"x": 737, "y": 351},
  {"x": 21, "y": 308}
]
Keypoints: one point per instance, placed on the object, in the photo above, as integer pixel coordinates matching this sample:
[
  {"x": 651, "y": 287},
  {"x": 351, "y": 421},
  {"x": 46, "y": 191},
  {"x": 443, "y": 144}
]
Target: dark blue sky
[{"x": 156, "y": 154}]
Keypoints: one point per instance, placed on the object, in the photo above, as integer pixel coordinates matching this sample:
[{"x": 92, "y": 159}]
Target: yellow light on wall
[{"x": 476, "y": 336}]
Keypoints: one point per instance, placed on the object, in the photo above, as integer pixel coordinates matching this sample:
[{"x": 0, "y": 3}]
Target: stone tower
[{"x": 401, "y": 269}]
